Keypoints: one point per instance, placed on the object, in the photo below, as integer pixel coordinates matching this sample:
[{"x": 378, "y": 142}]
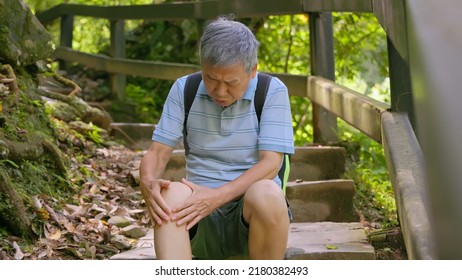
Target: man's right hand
[{"x": 158, "y": 209}]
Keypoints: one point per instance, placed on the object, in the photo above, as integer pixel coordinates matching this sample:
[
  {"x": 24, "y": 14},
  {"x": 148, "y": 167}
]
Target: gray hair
[{"x": 226, "y": 42}]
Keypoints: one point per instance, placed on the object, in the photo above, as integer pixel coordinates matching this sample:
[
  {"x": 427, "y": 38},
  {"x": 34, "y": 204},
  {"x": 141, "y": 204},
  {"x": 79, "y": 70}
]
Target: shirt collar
[{"x": 248, "y": 94}]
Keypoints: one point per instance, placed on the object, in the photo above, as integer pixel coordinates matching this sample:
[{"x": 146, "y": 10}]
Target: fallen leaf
[
  {"x": 52, "y": 232},
  {"x": 42, "y": 254},
  {"x": 71, "y": 251},
  {"x": 18, "y": 255},
  {"x": 331, "y": 247},
  {"x": 56, "y": 235}
]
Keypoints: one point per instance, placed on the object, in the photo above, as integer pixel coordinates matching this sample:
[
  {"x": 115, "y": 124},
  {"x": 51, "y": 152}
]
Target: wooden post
[
  {"x": 400, "y": 84},
  {"x": 66, "y": 34},
  {"x": 435, "y": 63},
  {"x": 118, "y": 81},
  {"x": 322, "y": 64}
]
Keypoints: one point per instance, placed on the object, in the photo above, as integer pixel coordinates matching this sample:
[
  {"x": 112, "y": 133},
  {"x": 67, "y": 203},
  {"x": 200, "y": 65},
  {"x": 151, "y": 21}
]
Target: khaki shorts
[{"x": 222, "y": 234}]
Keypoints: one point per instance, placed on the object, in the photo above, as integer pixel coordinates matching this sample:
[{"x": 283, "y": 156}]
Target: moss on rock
[{"x": 24, "y": 40}]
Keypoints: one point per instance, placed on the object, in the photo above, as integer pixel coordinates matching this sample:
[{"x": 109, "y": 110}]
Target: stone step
[
  {"x": 314, "y": 163},
  {"x": 319, "y": 201},
  {"x": 307, "y": 241},
  {"x": 328, "y": 241},
  {"x": 136, "y": 136}
]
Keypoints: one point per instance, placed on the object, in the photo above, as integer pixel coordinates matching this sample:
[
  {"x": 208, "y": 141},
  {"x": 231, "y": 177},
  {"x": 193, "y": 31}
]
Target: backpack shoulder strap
[
  {"x": 259, "y": 101},
  {"x": 260, "y": 93},
  {"x": 190, "y": 89}
]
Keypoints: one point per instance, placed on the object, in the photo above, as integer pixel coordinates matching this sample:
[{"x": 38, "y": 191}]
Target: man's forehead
[
  {"x": 225, "y": 73},
  {"x": 226, "y": 78}
]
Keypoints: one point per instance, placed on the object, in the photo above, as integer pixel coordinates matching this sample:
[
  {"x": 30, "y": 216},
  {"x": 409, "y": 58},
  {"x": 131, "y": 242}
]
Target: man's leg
[
  {"x": 265, "y": 210},
  {"x": 170, "y": 240}
]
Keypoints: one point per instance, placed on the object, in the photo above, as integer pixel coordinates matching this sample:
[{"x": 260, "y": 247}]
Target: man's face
[{"x": 226, "y": 84}]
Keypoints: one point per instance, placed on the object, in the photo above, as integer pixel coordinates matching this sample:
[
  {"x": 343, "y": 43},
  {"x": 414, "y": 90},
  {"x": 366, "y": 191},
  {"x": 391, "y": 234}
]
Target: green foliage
[
  {"x": 144, "y": 102},
  {"x": 35, "y": 178},
  {"x": 85, "y": 37},
  {"x": 301, "y": 120},
  {"x": 166, "y": 41},
  {"x": 284, "y": 49},
  {"x": 360, "y": 51},
  {"x": 85, "y": 171},
  {"x": 367, "y": 167},
  {"x": 94, "y": 134},
  {"x": 284, "y": 44},
  {"x": 11, "y": 163}
]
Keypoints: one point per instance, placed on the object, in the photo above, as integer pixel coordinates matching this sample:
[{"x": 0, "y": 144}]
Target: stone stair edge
[
  {"x": 351, "y": 245},
  {"x": 296, "y": 183}
]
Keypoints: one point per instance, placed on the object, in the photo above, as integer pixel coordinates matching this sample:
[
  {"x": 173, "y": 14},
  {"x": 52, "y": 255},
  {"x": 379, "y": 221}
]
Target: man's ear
[{"x": 254, "y": 71}]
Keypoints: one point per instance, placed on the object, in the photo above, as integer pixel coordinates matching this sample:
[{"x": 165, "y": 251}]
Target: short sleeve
[
  {"x": 276, "y": 132},
  {"x": 169, "y": 130}
]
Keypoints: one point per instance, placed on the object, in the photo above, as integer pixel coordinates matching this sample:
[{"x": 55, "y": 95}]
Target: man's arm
[
  {"x": 267, "y": 168},
  {"x": 152, "y": 168}
]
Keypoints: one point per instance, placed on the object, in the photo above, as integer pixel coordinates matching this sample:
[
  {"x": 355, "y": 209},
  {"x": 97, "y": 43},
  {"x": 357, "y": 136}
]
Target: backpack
[{"x": 190, "y": 90}]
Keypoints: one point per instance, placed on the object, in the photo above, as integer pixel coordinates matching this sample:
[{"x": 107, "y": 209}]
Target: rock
[
  {"x": 121, "y": 242},
  {"x": 24, "y": 40},
  {"x": 135, "y": 176},
  {"x": 42, "y": 66},
  {"x": 63, "y": 111},
  {"x": 87, "y": 128},
  {"x": 119, "y": 221},
  {"x": 133, "y": 231}
]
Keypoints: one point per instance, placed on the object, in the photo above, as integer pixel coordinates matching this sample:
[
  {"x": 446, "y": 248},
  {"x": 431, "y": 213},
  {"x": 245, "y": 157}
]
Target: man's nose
[{"x": 220, "y": 90}]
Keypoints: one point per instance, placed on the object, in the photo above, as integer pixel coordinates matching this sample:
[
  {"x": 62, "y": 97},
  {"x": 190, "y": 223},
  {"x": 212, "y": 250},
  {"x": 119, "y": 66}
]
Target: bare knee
[
  {"x": 266, "y": 200},
  {"x": 264, "y": 192},
  {"x": 176, "y": 193},
  {"x": 170, "y": 240}
]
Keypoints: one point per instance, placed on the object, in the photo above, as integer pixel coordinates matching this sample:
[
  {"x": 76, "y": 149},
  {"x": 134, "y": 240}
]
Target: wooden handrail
[
  {"x": 142, "y": 68},
  {"x": 406, "y": 166},
  {"x": 181, "y": 10},
  {"x": 337, "y": 6},
  {"x": 205, "y": 9},
  {"x": 357, "y": 109},
  {"x": 159, "y": 70}
]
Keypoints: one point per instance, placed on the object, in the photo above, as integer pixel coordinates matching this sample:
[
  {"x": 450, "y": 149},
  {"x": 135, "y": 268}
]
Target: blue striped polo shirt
[{"x": 225, "y": 142}]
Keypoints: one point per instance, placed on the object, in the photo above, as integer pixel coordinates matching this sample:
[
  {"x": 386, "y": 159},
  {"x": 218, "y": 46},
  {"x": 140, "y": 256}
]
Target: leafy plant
[
  {"x": 360, "y": 50},
  {"x": 367, "y": 167},
  {"x": 94, "y": 134}
]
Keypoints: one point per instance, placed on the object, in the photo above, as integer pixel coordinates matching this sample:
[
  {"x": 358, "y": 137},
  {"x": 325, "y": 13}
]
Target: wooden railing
[{"x": 392, "y": 126}]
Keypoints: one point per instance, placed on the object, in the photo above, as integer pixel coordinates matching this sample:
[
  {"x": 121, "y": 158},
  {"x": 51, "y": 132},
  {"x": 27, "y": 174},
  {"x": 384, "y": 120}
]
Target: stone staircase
[{"x": 325, "y": 224}]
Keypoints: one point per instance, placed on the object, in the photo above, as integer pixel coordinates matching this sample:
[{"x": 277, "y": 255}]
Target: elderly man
[{"x": 230, "y": 203}]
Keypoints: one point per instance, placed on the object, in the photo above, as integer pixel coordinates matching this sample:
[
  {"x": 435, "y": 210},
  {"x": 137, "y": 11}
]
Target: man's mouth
[{"x": 220, "y": 102}]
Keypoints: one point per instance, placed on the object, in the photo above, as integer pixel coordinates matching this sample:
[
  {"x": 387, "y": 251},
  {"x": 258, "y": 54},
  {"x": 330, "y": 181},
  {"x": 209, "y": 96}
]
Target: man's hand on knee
[
  {"x": 200, "y": 204},
  {"x": 158, "y": 209}
]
